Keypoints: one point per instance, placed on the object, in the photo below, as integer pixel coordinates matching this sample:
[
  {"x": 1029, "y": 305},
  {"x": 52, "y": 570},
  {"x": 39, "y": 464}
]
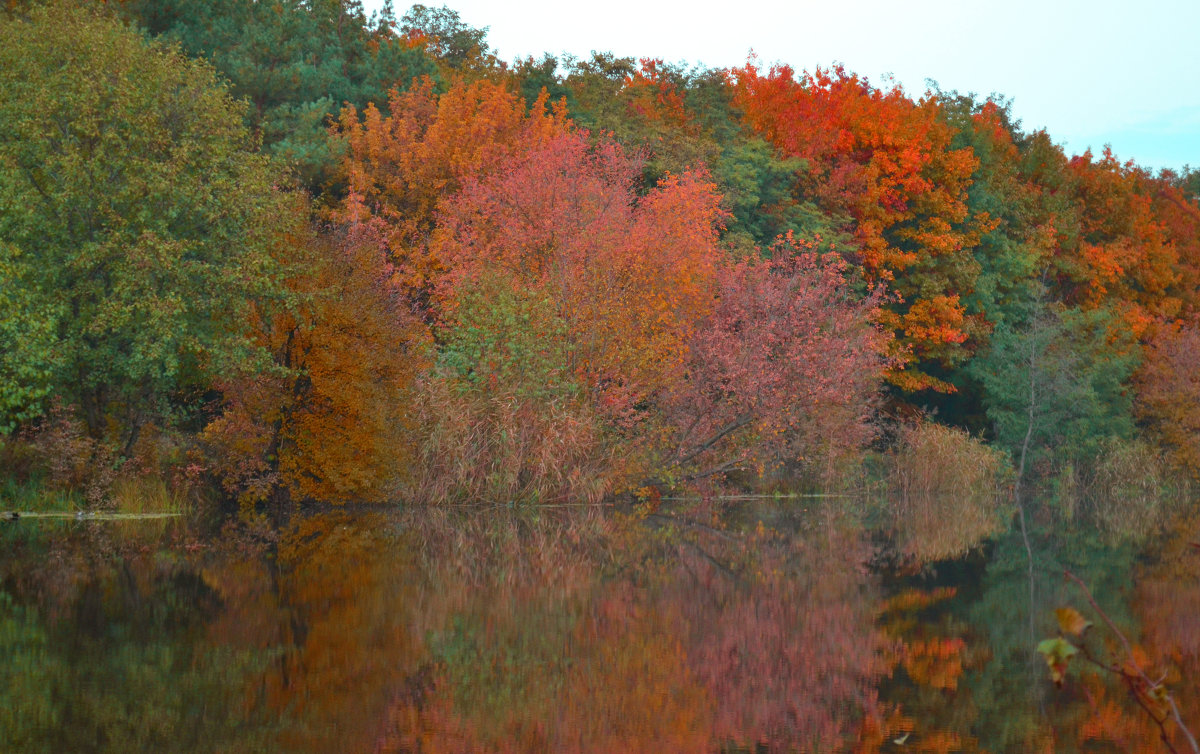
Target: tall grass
[
  {"x": 1133, "y": 490},
  {"x": 26, "y": 495},
  {"x": 508, "y": 448},
  {"x": 148, "y": 495},
  {"x": 946, "y": 491}
]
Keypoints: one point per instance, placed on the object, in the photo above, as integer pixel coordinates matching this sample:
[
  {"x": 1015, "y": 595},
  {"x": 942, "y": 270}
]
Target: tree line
[{"x": 294, "y": 251}]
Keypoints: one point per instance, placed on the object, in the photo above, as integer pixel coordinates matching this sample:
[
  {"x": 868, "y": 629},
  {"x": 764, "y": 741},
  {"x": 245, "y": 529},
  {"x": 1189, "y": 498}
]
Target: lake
[{"x": 720, "y": 626}]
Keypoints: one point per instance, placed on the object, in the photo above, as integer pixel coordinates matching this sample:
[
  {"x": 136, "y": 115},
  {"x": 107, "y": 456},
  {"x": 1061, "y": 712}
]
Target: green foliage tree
[
  {"x": 26, "y": 335},
  {"x": 1017, "y": 234},
  {"x": 532, "y": 75},
  {"x": 642, "y": 105},
  {"x": 139, "y": 224},
  {"x": 296, "y": 62},
  {"x": 756, "y": 179},
  {"x": 458, "y": 47},
  {"x": 1055, "y": 385},
  {"x": 501, "y": 335}
]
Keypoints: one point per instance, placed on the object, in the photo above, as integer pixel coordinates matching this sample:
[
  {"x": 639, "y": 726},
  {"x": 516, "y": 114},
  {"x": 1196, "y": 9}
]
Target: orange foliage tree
[
  {"x": 331, "y": 422},
  {"x": 399, "y": 168},
  {"x": 1168, "y": 396},
  {"x": 884, "y": 164},
  {"x": 1124, "y": 256},
  {"x": 1179, "y": 216}
]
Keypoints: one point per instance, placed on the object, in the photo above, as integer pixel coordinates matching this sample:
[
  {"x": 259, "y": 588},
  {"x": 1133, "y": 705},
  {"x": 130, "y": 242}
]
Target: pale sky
[{"x": 1091, "y": 72}]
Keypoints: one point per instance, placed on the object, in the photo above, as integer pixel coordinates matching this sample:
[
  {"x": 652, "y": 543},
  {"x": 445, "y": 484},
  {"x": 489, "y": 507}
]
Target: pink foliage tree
[
  {"x": 785, "y": 370},
  {"x": 628, "y": 275}
]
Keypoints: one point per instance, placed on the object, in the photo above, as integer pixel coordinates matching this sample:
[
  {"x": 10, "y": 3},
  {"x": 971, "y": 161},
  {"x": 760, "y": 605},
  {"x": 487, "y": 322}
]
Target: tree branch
[
  {"x": 1139, "y": 674},
  {"x": 733, "y": 426}
]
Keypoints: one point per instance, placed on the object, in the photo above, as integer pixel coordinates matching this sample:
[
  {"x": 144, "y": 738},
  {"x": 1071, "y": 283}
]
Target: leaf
[
  {"x": 1058, "y": 653},
  {"x": 1071, "y": 622}
]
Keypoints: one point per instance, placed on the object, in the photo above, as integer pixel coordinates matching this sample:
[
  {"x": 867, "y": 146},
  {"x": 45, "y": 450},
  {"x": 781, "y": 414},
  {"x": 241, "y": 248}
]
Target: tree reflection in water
[{"x": 572, "y": 630}]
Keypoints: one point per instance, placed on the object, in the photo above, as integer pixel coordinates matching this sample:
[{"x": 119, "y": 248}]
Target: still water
[{"x": 710, "y": 628}]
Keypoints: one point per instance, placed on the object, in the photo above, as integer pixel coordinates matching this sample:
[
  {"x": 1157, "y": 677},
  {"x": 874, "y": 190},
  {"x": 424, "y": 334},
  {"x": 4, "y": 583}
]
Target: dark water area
[{"x": 710, "y": 628}]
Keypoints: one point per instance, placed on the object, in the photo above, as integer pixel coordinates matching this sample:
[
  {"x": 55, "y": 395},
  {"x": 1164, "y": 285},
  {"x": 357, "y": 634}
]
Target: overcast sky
[{"x": 1090, "y": 72}]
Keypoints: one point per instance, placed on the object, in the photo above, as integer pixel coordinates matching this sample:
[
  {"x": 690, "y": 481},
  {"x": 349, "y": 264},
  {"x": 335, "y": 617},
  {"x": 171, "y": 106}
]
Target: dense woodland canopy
[{"x": 288, "y": 251}]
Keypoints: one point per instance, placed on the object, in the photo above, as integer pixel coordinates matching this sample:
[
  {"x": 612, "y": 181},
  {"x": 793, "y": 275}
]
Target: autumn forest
[{"x": 261, "y": 258}]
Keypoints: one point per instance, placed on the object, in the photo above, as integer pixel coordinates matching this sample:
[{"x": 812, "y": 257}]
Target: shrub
[{"x": 69, "y": 459}]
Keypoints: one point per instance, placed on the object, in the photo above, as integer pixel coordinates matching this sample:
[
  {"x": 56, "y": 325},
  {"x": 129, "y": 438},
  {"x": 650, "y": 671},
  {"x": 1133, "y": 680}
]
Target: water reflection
[{"x": 702, "y": 629}]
